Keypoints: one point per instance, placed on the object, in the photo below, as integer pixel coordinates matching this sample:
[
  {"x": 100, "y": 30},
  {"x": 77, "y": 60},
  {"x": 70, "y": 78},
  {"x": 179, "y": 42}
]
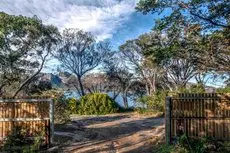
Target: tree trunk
[
  {"x": 115, "y": 94},
  {"x": 153, "y": 84},
  {"x": 125, "y": 100},
  {"x": 81, "y": 86},
  {"x": 1, "y": 89},
  {"x": 147, "y": 89},
  {"x": 27, "y": 81}
]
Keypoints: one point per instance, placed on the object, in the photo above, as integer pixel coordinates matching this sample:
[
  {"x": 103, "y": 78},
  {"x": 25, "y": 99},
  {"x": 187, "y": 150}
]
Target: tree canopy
[
  {"x": 208, "y": 13},
  {"x": 25, "y": 44},
  {"x": 79, "y": 53}
]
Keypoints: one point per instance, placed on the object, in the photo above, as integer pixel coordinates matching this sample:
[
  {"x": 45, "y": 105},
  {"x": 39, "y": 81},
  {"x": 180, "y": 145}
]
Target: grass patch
[{"x": 148, "y": 112}]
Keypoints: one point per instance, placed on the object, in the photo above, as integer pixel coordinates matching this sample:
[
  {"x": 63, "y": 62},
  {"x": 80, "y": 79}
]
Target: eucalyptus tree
[
  {"x": 213, "y": 18},
  {"x": 144, "y": 69},
  {"x": 25, "y": 45},
  {"x": 208, "y": 13},
  {"x": 96, "y": 83},
  {"x": 216, "y": 52},
  {"x": 79, "y": 53},
  {"x": 121, "y": 78},
  {"x": 175, "y": 51}
]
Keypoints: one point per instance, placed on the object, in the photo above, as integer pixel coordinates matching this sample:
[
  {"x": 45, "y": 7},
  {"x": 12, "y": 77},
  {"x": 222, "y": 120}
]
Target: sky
[
  {"x": 113, "y": 20},
  {"x": 108, "y": 20}
]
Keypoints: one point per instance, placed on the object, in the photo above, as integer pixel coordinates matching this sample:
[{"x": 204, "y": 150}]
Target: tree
[
  {"x": 144, "y": 69},
  {"x": 216, "y": 52},
  {"x": 208, "y": 13},
  {"x": 120, "y": 76},
  {"x": 175, "y": 51},
  {"x": 38, "y": 87},
  {"x": 210, "y": 17},
  {"x": 96, "y": 83},
  {"x": 25, "y": 45},
  {"x": 79, "y": 53}
]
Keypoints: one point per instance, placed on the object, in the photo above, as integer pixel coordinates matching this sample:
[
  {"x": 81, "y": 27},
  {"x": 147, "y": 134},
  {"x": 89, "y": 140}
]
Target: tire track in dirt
[{"x": 117, "y": 133}]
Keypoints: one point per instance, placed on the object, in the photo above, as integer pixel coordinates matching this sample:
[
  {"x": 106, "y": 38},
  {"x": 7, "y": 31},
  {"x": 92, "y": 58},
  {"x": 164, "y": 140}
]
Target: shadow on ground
[{"x": 104, "y": 134}]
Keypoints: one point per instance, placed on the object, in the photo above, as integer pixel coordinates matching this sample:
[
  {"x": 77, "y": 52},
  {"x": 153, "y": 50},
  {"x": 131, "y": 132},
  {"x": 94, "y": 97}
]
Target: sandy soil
[{"x": 117, "y": 133}]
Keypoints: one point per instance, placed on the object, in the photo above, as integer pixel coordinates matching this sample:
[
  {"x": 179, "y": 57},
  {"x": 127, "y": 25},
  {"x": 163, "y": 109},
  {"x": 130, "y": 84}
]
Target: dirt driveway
[{"x": 117, "y": 133}]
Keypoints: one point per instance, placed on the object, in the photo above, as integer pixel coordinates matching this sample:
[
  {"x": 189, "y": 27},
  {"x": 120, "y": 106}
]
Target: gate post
[
  {"x": 168, "y": 120},
  {"x": 51, "y": 113}
]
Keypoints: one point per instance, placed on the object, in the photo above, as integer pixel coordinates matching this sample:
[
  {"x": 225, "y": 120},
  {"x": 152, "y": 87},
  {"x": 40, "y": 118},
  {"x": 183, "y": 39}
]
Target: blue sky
[{"x": 114, "y": 20}]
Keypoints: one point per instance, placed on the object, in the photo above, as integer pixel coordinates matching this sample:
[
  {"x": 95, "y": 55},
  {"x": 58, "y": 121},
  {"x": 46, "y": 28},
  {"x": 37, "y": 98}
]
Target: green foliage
[
  {"x": 62, "y": 110},
  {"x": 38, "y": 87},
  {"x": 17, "y": 141},
  {"x": 72, "y": 102},
  {"x": 79, "y": 53},
  {"x": 154, "y": 102},
  {"x": 211, "y": 14},
  {"x": 96, "y": 104},
  {"x": 22, "y": 39},
  {"x": 223, "y": 90},
  {"x": 147, "y": 112},
  {"x": 197, "y": 88},
  {"x": 192, "y": 145},
  {"x": 169, "y": 149},
  {"x": 204, "y": 38}
]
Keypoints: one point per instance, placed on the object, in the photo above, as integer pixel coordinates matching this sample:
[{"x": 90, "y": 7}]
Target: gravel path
[{"x": 117, "y": 133}]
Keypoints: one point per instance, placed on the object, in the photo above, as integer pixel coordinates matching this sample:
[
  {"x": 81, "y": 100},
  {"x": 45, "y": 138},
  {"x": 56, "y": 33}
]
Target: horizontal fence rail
[
  {"x": 199, "y": 115},
  {"x": 31, "y": 115}
]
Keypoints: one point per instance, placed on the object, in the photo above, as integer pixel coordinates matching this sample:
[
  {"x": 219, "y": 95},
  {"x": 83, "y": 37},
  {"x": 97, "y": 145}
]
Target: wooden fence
[
  {"x": 34, "y": 116},
  {"x": 198, "y": 115}
]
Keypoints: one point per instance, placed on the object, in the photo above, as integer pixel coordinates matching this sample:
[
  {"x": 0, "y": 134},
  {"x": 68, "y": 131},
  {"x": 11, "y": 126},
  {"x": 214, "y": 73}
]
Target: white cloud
[{"x": 101, "y": 17}]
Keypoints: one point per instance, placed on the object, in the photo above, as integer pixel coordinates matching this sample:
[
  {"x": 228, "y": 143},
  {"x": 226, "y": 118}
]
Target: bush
[
  {"x": 72, "y": 103},
  {"x": 17, "y": 141},
  {"x": 223, "y": 90},
  {"x": 96, "y": 104},
  {"x": 197, "y": 88},
  {"x": 194, "y": 145},
  {"x": 169, "y": 149},
  {"x": 154, "y": 102},
  {"x": 62, "y": 109}
]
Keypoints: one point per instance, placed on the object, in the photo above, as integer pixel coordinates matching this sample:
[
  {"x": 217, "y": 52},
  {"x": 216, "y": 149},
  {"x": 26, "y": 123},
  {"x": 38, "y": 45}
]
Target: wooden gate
[
  {"x": 198, "y": 115},
  {"x": 32, "y": 115}
]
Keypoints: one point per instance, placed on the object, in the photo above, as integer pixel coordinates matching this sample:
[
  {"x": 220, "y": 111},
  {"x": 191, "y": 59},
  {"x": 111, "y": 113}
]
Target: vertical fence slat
[
  {"x": 168, "y": 120},
  {"x": 51, "y": 124},
  {"x": 199, "y": 115},
  {"x": 24, "y": 113}
]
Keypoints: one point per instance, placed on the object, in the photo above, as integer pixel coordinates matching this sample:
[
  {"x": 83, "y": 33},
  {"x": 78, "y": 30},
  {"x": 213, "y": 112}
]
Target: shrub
[
  {"x": 62, "y": 110},
  {"x": 96, "y": 104},
  {"x": 169, "y": 149},
  {"x": 17, "y": 141},
  {"x": 72, "y": 103},
  {"x": 154, "y": 102},
  {"x": 196, "y": 88},
  {"x": 194, "y": 145},
  {"x": 223, "y": 90}
]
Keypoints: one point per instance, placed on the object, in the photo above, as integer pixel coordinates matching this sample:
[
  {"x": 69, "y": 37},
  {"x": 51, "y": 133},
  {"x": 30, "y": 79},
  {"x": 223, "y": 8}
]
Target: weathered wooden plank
[
  {"x": 26, "y": 113},
  {"x": 22, "y": 119},
  {"x": 202, "y": 115},
  {"x": 167, "y": 120},
  {"x": 23, "y": 100}
]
